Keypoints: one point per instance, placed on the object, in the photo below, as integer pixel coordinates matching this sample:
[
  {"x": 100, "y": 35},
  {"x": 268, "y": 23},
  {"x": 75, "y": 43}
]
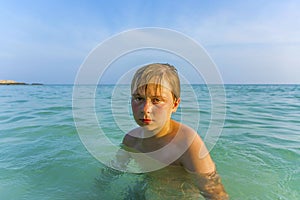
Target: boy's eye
[
  {"x": 156, "y": 100},
  {"x": 137, "y": 98}
]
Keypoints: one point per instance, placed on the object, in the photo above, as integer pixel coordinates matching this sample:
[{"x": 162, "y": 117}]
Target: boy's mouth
[{"x": 146, "y": 121}]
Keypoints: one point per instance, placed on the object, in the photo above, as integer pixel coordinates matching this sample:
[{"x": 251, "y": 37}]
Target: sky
[{"x": 249, "y": 41}]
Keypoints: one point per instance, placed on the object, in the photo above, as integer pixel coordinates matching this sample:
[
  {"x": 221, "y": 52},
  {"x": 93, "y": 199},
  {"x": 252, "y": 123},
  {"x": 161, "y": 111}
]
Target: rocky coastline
[{"x": 12, "y": 82}]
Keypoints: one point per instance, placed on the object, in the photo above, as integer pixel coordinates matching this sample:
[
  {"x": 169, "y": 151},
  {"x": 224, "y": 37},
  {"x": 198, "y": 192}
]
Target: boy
[{"x": 155, "y": 90}]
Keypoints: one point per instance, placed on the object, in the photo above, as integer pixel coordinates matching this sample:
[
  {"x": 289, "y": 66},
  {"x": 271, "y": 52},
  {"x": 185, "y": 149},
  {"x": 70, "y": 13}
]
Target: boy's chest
[{"x": 166, "y": 152}]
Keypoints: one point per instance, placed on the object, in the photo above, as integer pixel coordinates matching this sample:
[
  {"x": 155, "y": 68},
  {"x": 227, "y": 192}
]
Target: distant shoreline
[{"x": 12, "y": 82}]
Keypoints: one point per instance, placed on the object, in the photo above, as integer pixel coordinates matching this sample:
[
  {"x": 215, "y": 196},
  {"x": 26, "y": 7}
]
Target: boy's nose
[{"x": 147, "y": 106}]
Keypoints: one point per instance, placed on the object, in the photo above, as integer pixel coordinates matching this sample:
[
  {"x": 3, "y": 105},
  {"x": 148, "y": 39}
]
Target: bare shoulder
[
  {"x": 196, "y": 158},
  {"x": 130, "y": 139},
  {"x": 189, "y": 134},
  {"x": 196, "y": 144}
]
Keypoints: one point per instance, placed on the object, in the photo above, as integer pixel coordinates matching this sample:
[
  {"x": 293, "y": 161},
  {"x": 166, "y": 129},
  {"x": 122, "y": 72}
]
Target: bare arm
[
  {"x": 210, "y": 186},
  {"x": 198, "y": 162}
]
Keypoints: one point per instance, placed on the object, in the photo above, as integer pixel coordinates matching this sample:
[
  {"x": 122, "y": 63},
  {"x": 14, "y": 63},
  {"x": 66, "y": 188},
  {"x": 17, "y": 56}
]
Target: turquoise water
[{"x": 42, "y": 157}]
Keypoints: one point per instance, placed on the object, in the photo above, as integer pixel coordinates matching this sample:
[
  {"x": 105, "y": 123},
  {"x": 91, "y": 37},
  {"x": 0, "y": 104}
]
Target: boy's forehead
[
  {"x": 152, "y": 89},
  {"x": 152, "y": 84}
]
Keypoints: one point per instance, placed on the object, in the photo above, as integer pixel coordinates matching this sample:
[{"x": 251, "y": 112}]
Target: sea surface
[{"x": 42, "y": 156}]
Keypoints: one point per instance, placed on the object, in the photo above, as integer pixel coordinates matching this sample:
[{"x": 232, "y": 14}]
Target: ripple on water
[{"x": 42, "y": 157}]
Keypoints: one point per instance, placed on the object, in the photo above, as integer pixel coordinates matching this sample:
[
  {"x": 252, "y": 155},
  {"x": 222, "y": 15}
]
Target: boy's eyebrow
[
  {"x": 135, "y": 94},
  {"x": 159, "y": 96},
  {"x": 154, "y": 96}
]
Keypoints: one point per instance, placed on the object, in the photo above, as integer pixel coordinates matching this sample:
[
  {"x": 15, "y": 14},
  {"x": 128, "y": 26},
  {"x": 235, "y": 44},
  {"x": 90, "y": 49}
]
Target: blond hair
[{"x": 155, "y": 74}]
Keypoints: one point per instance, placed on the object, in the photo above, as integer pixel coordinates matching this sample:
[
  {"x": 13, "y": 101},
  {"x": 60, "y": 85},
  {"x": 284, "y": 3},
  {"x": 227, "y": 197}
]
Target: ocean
[{"x": 42, "y": 156}]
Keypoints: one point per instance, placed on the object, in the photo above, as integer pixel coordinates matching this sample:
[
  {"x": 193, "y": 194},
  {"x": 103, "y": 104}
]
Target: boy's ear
[{"x": 176, "y": 104}]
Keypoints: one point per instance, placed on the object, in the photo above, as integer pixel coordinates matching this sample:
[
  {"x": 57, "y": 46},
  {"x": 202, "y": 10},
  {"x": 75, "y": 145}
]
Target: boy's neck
[{"x": 165, "y": 130}]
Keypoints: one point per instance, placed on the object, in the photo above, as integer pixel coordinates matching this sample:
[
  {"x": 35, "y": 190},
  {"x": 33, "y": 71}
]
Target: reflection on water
[{"x": 171, "y": 182}]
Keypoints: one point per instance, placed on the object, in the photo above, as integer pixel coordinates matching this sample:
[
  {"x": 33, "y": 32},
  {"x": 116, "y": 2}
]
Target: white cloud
[
  {"x": 241, "y": 36},
  {"x": 258, "y": 45},
  {"x": 271, "y": 23}
]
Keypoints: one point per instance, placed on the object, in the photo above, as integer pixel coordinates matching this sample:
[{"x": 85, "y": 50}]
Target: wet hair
[{"x": 157, "y": 74}]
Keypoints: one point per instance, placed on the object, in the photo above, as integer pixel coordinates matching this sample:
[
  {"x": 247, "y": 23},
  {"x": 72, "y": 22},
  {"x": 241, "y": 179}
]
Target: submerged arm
[
  {"x": 122, "y": 159},
  {"x": 210, "y": 186},
  {"x": 115, "y": 169},
  {"x": 123, "y": 156},
  {"x": 198, "y": 162}
]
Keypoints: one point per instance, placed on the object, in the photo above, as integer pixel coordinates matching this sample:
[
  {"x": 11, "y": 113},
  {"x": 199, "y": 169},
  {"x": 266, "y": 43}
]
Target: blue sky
[{"x": 250, "y": 41}]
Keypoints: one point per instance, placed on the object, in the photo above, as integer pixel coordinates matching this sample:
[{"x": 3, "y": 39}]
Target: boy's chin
[
  {"x": 150, "y": 130},
  {"x": 147, "y": 127}
]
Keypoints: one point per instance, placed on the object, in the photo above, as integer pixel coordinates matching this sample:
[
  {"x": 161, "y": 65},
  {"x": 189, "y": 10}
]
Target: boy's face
[{"x": 152, "y": 106}]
